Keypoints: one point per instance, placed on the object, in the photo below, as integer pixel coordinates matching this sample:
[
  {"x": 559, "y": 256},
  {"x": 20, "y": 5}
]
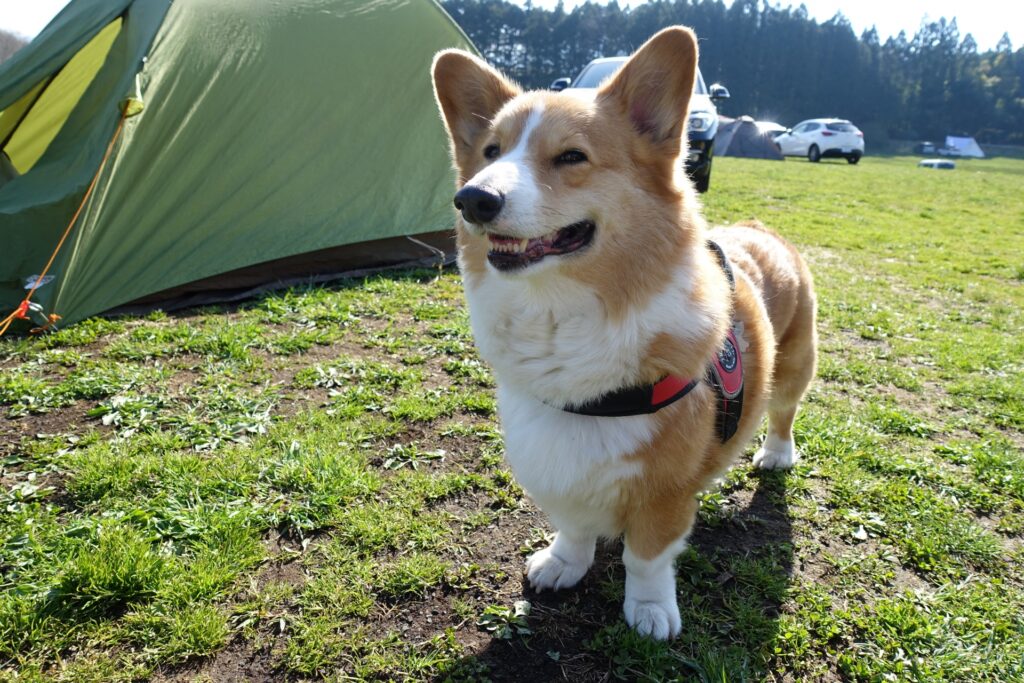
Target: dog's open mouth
[{"x": 511, "y": 253}]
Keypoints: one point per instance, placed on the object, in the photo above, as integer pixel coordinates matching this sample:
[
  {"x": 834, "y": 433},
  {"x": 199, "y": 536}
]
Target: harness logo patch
[
  {"x": 727, "y": 356},
  {"x": 728, "y": 368}
]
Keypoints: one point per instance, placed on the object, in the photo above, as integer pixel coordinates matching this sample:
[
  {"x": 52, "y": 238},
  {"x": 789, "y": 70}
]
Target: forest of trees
[
  {"x": 9, "y": 44},
  {"x": 779, "y": 64}
]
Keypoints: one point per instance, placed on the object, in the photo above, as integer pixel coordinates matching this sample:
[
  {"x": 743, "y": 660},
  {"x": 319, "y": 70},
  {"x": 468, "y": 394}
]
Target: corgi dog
[{"x": 613, "y": 318}]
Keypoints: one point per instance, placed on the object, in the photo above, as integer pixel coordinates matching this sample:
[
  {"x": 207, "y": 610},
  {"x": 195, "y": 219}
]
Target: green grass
[{"x": 313, "y": 483}]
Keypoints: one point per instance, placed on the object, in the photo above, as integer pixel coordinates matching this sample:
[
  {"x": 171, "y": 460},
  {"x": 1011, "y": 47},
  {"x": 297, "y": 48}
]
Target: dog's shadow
[
  {"x": 750, "y": 550},
  {"x": 732, "y": 583}
]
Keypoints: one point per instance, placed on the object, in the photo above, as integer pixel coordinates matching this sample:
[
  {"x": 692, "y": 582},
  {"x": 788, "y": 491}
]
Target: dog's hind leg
[
  {"x": 778, "y": 451},
  {"x": 795, "y": 361}
]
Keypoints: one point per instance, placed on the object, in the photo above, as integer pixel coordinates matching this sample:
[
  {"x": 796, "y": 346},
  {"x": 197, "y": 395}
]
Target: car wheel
[
  {"x": 814, "y": 154},
  {"x": 704, "y": 182},
  {"x": 853, "y": 158}
]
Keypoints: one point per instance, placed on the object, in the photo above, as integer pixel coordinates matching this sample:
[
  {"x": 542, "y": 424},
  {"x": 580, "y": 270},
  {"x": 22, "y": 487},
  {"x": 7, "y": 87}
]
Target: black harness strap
[
  {"x": 637, "y": 400},
  {"x": 724, "y": 262},
  {"x": 724, "y": 375}
]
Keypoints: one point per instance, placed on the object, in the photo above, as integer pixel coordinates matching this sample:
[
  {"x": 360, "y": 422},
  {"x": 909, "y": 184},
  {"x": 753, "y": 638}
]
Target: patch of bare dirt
[
  {"x": 236, "y": 663},
  {"x": 243, "y": 659},
  {"x": 69, "y": 419}
]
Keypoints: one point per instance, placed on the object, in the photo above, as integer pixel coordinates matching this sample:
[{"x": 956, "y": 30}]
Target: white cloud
[{"x": 28, "y": 17}]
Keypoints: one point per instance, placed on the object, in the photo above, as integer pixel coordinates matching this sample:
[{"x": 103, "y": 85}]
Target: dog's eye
[
  {"x": 492, "y": 152},
  {"x": 570, "y": 157}
]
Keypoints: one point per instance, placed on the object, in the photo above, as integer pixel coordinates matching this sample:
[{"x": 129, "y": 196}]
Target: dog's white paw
[
  {"x": 544, "y": 569},
  {"x": 776, "y": 454},
  {"x": 659, "y": 620}
]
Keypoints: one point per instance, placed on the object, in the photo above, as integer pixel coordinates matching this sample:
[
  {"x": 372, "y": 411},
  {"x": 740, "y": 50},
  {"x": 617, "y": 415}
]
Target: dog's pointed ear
[
  {"x": 654, "y": 87},
  {"x": 469, "y": 93}
]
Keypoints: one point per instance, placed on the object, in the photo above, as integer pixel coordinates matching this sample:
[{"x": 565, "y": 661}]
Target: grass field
[{"x": 311, "y": 486}]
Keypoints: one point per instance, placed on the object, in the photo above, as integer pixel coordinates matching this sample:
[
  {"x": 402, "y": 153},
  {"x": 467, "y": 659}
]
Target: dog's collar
[
  {"x": 724, "y": 374},
  {"x": 642, "y": 400}
]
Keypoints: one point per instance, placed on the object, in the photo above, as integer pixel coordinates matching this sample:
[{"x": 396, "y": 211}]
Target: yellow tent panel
[{"x": 50, "y": 104}]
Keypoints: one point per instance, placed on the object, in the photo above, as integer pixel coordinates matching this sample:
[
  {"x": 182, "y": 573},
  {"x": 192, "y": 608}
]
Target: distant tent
[
  {"x": 964, "y": 147},
  {"x": 941, "y": 164},
  {"x": 265, "y": 142},
  {"x": 742, "y": 138}
]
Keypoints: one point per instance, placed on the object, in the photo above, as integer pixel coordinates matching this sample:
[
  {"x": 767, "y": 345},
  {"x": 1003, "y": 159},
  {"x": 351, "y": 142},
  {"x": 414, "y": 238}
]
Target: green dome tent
[{"x": 262, "y": 141}]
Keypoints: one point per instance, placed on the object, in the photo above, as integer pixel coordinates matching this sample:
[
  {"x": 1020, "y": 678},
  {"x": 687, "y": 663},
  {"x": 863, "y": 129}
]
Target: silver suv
[{"x": 701, "y": 128}]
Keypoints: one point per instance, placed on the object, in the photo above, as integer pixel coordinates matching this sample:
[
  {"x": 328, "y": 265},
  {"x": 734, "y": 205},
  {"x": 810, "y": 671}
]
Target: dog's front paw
[
  {"x": 656, "y": 619},
  {"x": 544, "y": 569},
  {"x": 776, "y": 454}
]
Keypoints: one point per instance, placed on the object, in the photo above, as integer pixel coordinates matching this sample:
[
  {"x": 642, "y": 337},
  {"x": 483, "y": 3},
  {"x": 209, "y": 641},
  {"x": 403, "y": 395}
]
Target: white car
[{"x": 818, "y": 138}]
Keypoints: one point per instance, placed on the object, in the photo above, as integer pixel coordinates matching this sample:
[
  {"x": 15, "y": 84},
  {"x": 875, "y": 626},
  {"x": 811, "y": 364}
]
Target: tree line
[
  {"x": 778, "y": 63},
  {"x": 9, "y": 44}
]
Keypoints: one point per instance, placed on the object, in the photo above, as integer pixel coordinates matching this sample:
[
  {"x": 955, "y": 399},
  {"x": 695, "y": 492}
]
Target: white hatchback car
[{"x": 817, "y": 138}]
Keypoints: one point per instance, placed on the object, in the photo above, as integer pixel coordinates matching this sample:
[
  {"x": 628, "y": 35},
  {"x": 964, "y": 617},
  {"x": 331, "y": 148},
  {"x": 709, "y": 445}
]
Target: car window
[
  {"x": 841, "y": 127},
  {"x": 802, "y": 128},
  {"x": 813, "y": 126},
  {"x": 596, "y": 73},
  {"x": 698, "y": 86}
]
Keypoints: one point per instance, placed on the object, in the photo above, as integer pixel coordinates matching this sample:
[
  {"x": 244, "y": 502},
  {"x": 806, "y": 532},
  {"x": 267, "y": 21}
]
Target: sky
[
  {"x": 28, "y": 17},
  {"x": 986, "y": 20}
]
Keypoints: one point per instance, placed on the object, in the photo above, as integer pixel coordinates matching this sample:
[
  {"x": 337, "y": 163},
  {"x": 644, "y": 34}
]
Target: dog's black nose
[{"x": 478, "y": 205}]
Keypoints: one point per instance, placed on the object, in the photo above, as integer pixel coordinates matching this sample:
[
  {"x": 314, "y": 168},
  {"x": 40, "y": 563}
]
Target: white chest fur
[
  {"x": 571, "y": 465},
  {"x": 551, "y": 343},
  {"x": 551, "y": 336}
]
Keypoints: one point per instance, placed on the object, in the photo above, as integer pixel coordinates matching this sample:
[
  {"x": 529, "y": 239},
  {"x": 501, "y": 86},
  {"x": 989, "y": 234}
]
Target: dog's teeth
[{"x": 510, "y": 246}]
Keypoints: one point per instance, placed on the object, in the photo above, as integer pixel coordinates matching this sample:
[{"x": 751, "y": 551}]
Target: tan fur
[
  {"x": 649, "y": 228},
  {"x": 686, "y": 456}
]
